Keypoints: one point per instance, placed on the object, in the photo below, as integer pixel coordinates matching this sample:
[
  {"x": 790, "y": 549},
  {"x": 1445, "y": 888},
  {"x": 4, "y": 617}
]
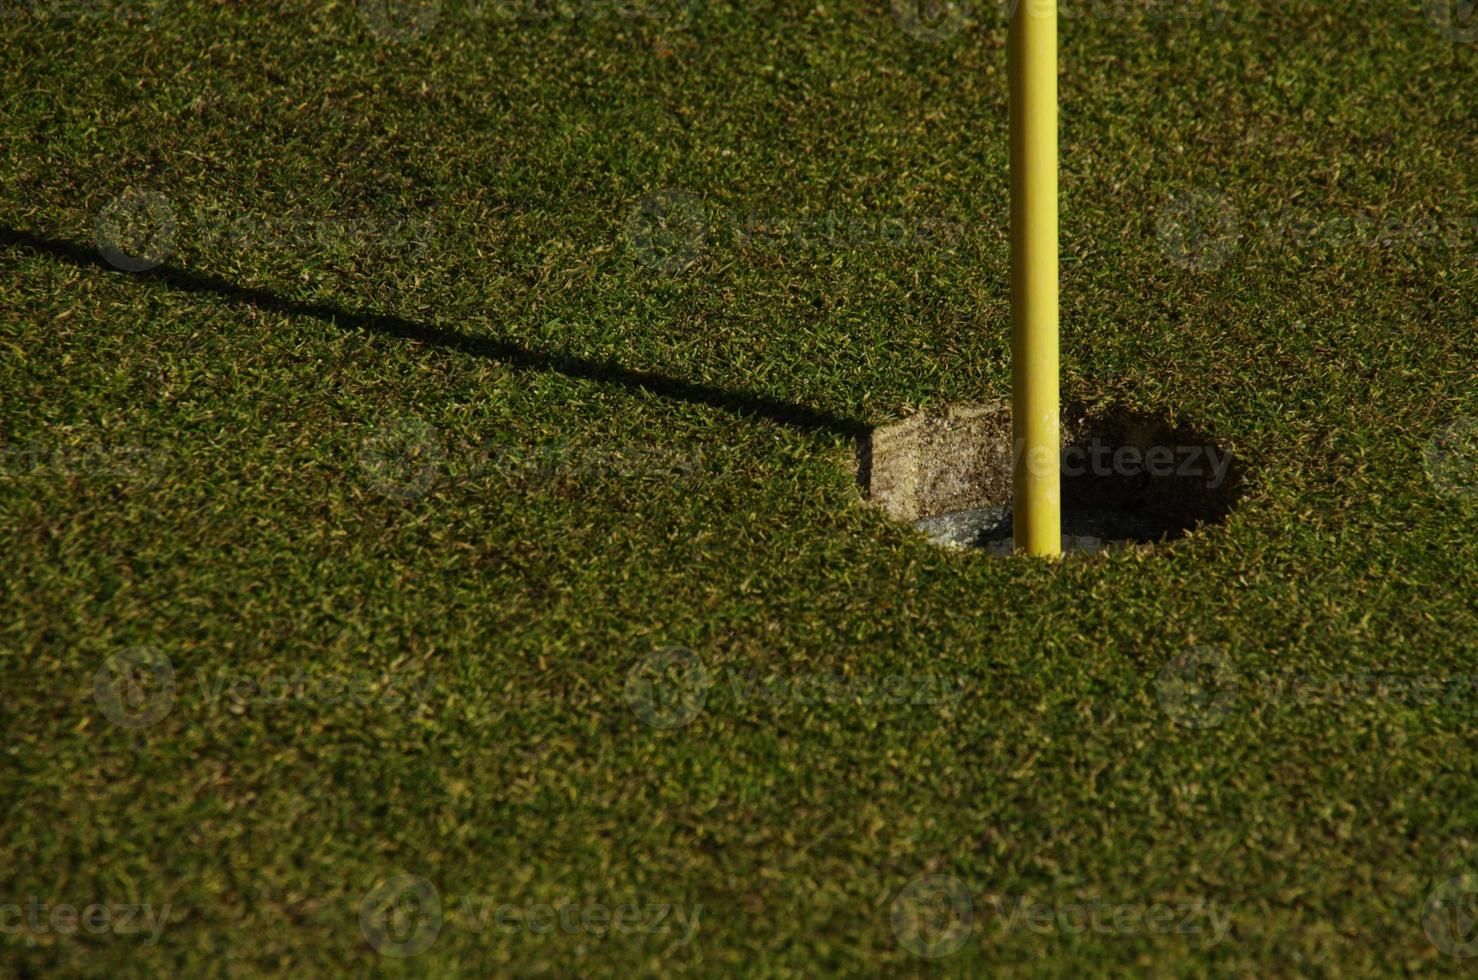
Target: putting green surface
[{"x": 448, "y": 560}]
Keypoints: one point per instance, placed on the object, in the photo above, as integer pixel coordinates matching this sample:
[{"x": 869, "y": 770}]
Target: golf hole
[{"x": 1127, "y": 478}]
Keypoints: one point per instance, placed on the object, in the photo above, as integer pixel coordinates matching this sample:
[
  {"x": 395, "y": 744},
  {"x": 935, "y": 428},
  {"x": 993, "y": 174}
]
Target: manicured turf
[{"x": 631, "y": 439}]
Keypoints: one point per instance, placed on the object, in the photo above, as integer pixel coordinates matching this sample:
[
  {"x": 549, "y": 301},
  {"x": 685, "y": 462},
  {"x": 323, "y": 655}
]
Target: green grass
[{"x": 373, "y": 232}]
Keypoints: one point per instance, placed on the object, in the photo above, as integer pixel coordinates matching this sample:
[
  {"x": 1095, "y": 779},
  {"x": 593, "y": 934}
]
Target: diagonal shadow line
[{"x": 603, "y": 372}]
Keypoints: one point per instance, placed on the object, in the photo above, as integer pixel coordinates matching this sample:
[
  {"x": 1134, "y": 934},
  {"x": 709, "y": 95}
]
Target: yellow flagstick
[{"x": 1031, "y": 56}]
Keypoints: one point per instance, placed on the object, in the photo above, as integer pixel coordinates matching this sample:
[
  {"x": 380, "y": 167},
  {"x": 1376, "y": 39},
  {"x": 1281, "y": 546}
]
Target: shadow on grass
[{"x": 602, "y": 372}]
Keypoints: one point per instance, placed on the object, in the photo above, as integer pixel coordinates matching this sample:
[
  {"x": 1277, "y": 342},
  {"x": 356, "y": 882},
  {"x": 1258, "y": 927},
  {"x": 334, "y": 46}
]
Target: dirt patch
[
  {"x": 937, "y": 462},
  {"x": 1126, "y": 476}
]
